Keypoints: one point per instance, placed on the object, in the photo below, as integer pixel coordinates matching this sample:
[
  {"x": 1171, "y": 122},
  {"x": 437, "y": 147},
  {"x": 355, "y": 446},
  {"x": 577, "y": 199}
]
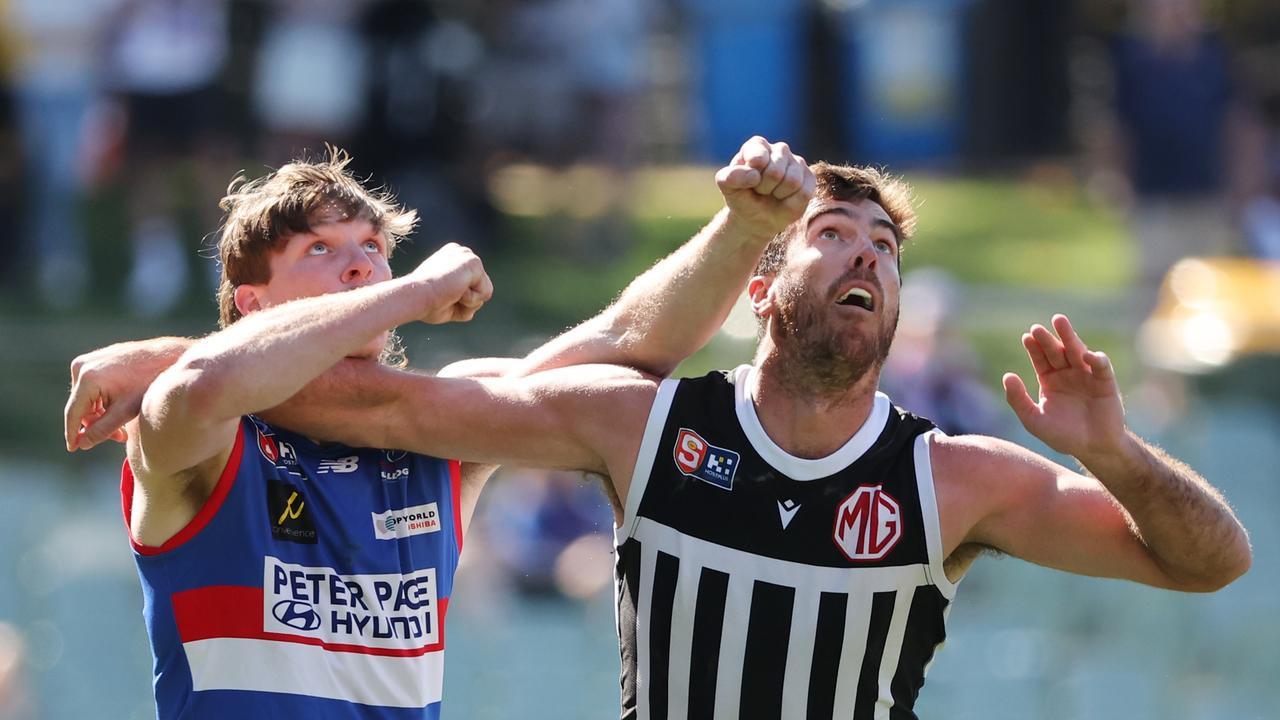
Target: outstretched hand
[
  {"x": 766, "y": 186},
  {"x": 459, "y": 284},
  {"x": 1079, "y": 412}
]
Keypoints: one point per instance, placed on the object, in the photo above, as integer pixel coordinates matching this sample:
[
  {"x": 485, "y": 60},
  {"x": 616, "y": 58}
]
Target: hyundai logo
[{"x": 296, "y": 614}]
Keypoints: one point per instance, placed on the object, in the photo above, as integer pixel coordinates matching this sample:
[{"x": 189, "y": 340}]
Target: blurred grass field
[{"x": 572, "y": 239}]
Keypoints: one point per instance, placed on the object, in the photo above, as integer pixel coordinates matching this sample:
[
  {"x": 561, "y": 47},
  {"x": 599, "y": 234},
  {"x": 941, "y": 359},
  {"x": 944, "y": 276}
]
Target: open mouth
[{"x": 858, "y": 297}]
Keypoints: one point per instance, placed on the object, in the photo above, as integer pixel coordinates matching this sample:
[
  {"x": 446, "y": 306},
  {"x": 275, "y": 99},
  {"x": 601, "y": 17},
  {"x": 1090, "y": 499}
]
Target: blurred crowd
[
  {"x": 148, "y": 107},
  {"x": 162, "y": 101},
  {"x": 122, "y": 121}
]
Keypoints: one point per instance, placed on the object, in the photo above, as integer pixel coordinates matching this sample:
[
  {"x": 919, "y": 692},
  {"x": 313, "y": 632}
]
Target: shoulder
[{"x": 988, "y": 471}]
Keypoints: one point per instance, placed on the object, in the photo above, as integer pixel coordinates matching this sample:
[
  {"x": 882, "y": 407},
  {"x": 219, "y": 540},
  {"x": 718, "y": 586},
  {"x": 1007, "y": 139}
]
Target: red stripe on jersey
[
  {"x": 202, "y": 518},
  {"x": 235, "y": 611},
  {"x": 455, "y": 488}
]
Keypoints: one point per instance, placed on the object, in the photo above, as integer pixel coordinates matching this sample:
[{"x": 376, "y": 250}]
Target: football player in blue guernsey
[
  {"x": 284, "y": 576},
  {"x": 789, "y": 542}
]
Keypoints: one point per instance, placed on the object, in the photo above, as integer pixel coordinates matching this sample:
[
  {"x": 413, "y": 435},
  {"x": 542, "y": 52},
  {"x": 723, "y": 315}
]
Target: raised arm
[
  {"x": 1142, "y": 516},
  {"x": 676, "y": 306},
  {"x": 269, "y": 355},
  {"x": 190, "y": 413}
]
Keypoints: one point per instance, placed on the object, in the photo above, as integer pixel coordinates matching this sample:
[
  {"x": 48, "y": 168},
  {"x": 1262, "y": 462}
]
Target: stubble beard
[{"x": 819, "y": 357}]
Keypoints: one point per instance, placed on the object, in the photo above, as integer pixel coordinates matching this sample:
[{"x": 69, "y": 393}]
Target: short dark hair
[{"x": 848, "y": 183}]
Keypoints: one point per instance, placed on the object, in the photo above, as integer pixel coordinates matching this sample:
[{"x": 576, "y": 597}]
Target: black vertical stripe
[
  {"x": 877, "y": 633},
  {"x": 708, "y": 626},
  {"x": 765, "y": 657},
  {"x": 665, "y": 572},
  {"x": 827, "y": 641},
  {"x": 926, "y": 629},
  {"x": 627, "y": 575}
]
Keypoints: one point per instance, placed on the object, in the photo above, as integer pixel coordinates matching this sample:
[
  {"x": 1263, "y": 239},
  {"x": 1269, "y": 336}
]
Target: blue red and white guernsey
[{"x": 313, "y": 583}]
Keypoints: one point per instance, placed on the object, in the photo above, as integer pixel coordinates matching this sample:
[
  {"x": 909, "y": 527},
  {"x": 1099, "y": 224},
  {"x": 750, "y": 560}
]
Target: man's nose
[
  {"x": 359, "y": 267},
  {"x": 865, "y": 255}
]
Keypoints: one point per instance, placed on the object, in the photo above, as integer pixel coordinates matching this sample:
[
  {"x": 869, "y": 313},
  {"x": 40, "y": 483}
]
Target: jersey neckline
[{"x": 798, "y": 468}]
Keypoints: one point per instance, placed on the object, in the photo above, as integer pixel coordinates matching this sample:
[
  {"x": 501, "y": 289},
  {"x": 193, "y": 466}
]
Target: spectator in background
[
  {"x": 933, "y": 370},
  {"x": 415, "y": 131},
  {"x": 55, "y": 83},
  {"x": 1177, "y": 109},
  {"x": 1262, "y": 213},
  {"x": 311, "y": 76},
  {"x": 163, "y": 60},
  {"x": 532, "y": 518}
]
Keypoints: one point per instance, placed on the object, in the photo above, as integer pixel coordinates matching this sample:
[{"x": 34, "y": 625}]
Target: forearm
[
  {"x": 671, "y": 310},
  {"x": 354, "y": 402},
  {"x": 269, "y": 355},
  {"x": 1185, "y": 522}
]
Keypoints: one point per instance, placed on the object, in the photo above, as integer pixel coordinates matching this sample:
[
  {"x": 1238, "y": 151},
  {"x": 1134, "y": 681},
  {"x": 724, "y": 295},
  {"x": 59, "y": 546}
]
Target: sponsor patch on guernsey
[
  {"x": 373, "y": 611},
  {"x": 415, "y": 520},
  {"x": 700, "y": 459}
]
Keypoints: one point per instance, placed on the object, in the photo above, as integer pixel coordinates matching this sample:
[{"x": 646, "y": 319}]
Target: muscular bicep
[{"x": 1000, "y": 495}]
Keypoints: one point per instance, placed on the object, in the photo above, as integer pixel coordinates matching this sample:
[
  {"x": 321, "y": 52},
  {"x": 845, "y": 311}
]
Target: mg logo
[
  {"x": 296, "y": 614},
  {"x": 691, "y": 449},
  {"x": 868, "y": 524}
]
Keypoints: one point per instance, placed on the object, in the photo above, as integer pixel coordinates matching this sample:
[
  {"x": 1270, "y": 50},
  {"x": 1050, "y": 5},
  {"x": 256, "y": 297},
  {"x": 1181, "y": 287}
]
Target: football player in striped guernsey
[
  {"x": 790, "y": 542},
  {"x": 283, "y": 576}
]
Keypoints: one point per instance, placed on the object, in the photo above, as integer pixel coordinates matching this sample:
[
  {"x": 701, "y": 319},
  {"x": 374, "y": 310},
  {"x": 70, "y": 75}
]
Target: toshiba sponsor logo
[
  {"x": 414, "y": 520},
  {"x": 376, "y": 610}
]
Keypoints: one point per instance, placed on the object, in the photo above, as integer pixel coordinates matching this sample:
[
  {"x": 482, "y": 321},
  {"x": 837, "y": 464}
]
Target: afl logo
[
  {"x": 297, "y": 615},
  {"x": 868, "y": 524}
]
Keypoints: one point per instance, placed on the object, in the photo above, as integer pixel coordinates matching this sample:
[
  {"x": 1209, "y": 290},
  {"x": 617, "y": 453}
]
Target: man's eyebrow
[
  {"x": 875, "y": 222},
  {"x": 897, "y": 234}
]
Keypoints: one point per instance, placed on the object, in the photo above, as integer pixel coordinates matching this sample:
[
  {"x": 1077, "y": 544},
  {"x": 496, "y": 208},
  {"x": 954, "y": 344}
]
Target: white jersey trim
[
  {"x": 929, "y": 514},
  {"x": 646, "y": 457},
  {"x": 298, "y": 669},
  {"x": 797, "y": 468}
]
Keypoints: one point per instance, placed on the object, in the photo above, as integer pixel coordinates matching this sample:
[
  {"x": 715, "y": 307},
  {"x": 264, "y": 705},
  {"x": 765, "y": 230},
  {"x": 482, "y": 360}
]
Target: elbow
[
  {"x": 191, "y": 388},
  {"x": 1231, "y": 566}
]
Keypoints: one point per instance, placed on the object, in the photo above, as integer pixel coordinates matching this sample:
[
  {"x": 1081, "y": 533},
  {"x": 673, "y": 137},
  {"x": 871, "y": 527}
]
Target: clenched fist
[
  {"x": 459, "y": 285},
  {"x": 766, "y": 185}
]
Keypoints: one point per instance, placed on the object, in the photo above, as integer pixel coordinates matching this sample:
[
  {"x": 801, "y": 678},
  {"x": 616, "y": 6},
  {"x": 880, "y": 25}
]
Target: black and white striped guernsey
[{"x": 754, "y": 584}]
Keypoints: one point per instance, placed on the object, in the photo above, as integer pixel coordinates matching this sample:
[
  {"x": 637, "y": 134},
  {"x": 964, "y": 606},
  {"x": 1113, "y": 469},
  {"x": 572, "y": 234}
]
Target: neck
[{"x": 803, "y": 419}]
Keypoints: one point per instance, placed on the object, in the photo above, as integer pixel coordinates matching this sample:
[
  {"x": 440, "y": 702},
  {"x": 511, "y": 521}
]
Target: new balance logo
[
  {"x": 348, "y": 464},
  {"x": 787, "y": 509}
]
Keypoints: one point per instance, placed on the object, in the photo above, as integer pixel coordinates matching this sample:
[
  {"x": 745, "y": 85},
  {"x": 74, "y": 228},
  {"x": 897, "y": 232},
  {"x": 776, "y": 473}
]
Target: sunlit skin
[
  {"x": 826, "y": 344},
  {"x": 333, "y": 257}
]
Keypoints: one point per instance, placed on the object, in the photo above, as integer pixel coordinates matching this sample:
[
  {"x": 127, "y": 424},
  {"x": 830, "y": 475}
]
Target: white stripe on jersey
[
  {"x": 804, "y": 625},
  {"x": 682, "y": 610},
  {"x": 288, "y": 667},
  {"x": 654, "y": 537},
  {"x": 648, "y": 453},
  {"x": 744, "y": 569},
  {"x": 733, "y": 636},
  {"x": 892, "y": 652},
  {"x": 851, "y": 652}
]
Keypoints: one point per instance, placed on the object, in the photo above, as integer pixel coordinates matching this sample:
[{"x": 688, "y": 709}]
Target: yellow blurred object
[{"x": 1212, "y": 311}]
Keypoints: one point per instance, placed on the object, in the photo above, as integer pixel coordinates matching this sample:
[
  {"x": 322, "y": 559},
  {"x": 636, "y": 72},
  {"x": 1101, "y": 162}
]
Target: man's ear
[
  {"x": 249, "y": 298},
  {"x": 758, "y": 292}
]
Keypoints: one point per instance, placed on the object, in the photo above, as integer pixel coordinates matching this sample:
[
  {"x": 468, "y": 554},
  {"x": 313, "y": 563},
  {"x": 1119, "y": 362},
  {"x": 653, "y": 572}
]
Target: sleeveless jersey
[
  {"x": 313, "y": 583},
  {"x": 754, "y": 584}
]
